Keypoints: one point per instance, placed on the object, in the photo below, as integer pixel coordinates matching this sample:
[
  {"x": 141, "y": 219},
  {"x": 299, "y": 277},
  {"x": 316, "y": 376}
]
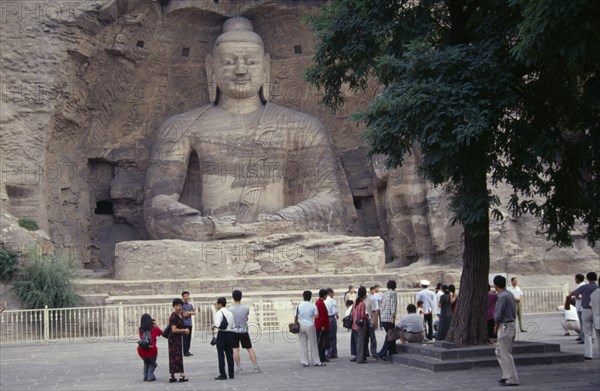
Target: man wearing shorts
[{"x": 240, "y": 331}]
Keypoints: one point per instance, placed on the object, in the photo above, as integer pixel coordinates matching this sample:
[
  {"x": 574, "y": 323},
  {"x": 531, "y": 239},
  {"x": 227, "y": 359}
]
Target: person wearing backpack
[{"x": 147, "y": 349}]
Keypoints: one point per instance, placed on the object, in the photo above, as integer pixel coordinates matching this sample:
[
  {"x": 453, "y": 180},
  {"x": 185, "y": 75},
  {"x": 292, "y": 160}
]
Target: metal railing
[{"x": 121, "y": 321}]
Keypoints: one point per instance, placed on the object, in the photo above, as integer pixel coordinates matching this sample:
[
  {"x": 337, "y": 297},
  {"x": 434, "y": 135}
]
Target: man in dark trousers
[
  {"x": 586, "y": 312},
  {"x": 224, "y": 322},
  {"x": 187, "y": 311},
  {"x": 506, "y": 312}
]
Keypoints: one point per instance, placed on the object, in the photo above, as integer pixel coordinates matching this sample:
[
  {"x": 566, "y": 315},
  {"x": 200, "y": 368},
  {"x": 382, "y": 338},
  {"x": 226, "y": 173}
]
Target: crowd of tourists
[{"x": 367, "y": 310}]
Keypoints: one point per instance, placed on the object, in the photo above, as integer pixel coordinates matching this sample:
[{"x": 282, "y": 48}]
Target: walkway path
[{"x": 113, "y": 365}]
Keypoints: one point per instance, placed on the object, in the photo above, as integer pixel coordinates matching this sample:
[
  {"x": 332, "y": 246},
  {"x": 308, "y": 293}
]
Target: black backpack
[{"x": 146, "y": 341}]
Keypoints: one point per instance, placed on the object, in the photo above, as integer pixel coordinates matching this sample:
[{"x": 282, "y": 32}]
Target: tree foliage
[
  {"x": 495, "y": 91},
  {"x": 505, "y": 87}
]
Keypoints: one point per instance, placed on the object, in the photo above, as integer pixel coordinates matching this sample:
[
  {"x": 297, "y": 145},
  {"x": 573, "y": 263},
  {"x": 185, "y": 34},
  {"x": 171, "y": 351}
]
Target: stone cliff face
[{"x": 86, "y": 85}]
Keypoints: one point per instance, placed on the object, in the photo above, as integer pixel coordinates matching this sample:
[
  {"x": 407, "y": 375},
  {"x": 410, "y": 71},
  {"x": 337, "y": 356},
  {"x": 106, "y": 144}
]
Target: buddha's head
[{"x": 239, "y": 67}]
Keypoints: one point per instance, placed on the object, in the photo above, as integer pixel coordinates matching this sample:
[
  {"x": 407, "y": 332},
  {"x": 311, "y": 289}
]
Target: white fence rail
[{"x": 121, "y": 322}]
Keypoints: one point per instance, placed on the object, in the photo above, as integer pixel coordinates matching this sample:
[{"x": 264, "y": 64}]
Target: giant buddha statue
[
  {"x": 263, "y": 168},
  {"x": 244, "y": 187}
]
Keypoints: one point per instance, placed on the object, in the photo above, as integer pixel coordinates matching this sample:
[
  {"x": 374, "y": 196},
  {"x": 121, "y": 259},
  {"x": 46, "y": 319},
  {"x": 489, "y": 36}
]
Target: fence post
[
  {"x": 46, "y": 324},
  {"x": 194, "y": 320},
  {"x": 261, "y": 314},
  {"x": 121, "y": 321}
]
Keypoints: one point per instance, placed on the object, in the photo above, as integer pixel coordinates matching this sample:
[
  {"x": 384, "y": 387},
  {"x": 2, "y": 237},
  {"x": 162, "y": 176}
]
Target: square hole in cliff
[
  {"x": 140, "y": 44},
  {"x": 185, "y": 52},
  {"x": 104, "y": 208},
  {"x": 298, "y": 49}
]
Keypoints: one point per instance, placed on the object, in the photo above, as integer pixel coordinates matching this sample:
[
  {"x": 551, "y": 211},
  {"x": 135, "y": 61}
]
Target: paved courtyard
[{"x": 115, "y": 365}]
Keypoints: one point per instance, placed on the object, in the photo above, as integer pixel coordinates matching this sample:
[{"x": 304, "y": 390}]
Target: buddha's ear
[
  {"x": 265, "y": 93},
  {"x": 210, "y": 79}
]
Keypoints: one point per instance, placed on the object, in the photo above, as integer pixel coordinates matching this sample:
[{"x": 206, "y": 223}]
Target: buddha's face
[{"x": 239, "y": 69}]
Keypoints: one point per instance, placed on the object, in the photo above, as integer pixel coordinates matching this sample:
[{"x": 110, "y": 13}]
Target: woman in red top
[
  {"x": 359, "y": 325},
  {"x": 322, "y": 325},
  {"x": 149, "y": 355}
]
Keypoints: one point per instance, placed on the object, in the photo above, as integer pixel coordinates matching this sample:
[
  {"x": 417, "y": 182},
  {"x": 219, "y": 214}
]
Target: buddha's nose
[{"x": 240, "y": 69}]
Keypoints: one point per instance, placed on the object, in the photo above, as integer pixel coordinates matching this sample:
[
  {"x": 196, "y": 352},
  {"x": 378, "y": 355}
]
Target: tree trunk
[{"x": 469, "y": 323}]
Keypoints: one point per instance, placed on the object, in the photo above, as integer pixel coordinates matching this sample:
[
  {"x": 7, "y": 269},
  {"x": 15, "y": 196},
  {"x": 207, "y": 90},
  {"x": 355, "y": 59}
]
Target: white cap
[{"x": 424, "y": 282}]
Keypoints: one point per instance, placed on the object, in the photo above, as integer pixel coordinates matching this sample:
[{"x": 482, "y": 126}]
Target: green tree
[{"x": 470, "y": 84}]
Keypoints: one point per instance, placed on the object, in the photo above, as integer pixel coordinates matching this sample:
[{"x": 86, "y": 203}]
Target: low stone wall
[{"x": 273, "y": 255}]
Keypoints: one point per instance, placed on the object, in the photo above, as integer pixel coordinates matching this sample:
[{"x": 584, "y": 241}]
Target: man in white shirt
[
  {"x": 224, "y": 322},
  {"x": 411, "y": 326},
  {"x": 372, "y": 324},
  {"x": 518, "y": 295},
  {"x": 427, "y": 297},
  {"x": 332, "y": 311},
  {"x": 571, "y": 321}
]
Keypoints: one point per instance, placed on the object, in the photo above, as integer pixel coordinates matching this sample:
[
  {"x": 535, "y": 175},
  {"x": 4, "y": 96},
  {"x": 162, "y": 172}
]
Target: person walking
[
  {"x": 506, "y": 309},
  {"x": 224, "y": 322},
  {"x": 359, "y": 325},
  {"x": 586, "y": 312},
  {"x": 427, "y": 297},
  {"x": 518, "y": 295},
  {"x": 389, "y": 304},
  {"x": 322, "y": 324},
  {"x": 306, "y": 313},
  {"x": 240, "y": 331},
  {"x": 149, "y": 329},
  {"x": 176, "y": 343},
  {"x": 187, "y": 311},
  {"x": 333, "y": 313}
]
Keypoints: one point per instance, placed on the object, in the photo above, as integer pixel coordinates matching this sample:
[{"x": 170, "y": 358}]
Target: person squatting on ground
[
  {"x": 240, "y": 331},
  {"x": 571, "y": 319},
  {"x": 149, "y": 353}
]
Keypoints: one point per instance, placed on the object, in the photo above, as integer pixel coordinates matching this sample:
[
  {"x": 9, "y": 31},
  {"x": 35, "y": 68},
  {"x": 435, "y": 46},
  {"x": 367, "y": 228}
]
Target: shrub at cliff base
[
  {"x": 46, "y": 280},
  {"x": 9, "y": 265}
]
